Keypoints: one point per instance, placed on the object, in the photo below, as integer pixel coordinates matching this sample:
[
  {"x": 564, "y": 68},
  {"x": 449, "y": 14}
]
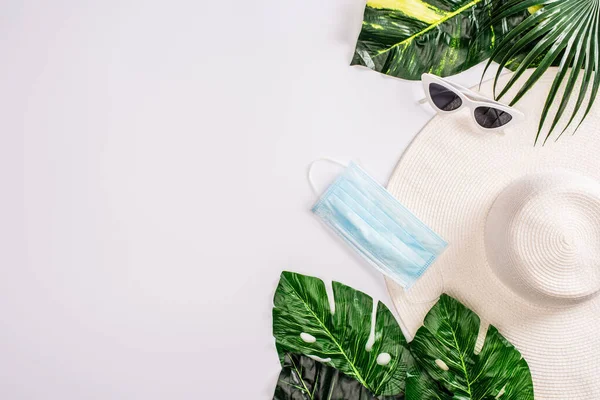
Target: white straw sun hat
[{"x": 523, "y": 227}]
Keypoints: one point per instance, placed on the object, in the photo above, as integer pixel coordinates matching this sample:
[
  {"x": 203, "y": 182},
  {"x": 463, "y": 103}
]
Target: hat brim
[{"x": 449, "y": 177}]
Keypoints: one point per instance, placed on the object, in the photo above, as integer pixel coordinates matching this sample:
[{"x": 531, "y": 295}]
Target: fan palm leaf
[{"x": 560, "y": 32}]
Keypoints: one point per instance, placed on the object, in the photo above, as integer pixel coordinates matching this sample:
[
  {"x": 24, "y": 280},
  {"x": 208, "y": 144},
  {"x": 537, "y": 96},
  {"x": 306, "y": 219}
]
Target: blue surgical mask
[{"x": 378, "y": 227}]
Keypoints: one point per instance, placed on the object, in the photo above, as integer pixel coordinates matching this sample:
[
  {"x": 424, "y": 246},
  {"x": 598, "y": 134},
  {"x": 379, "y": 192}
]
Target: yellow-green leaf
[{"x": 406, "y": 38}]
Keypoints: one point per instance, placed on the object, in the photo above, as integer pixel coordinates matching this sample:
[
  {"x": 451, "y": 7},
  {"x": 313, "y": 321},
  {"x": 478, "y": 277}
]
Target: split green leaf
[
  {"x": 442, "y": 362},
  {"x": 303, "y": 323},
  {"x": 303, "y": 378}
]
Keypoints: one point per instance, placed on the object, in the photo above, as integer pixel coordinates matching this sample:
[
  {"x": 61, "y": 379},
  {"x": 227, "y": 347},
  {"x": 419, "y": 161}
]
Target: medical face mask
[{"x": 377, "y": 226}]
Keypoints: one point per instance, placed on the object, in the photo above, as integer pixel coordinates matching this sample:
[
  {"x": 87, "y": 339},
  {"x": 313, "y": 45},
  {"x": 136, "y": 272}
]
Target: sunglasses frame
[{"x": 471, "y": 100}]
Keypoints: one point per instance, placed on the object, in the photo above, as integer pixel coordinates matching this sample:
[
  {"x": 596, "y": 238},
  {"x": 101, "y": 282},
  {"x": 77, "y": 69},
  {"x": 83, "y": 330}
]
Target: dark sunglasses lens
[
  {"x": 491, "y": 118},
  {"x": 444, "y": 99}
]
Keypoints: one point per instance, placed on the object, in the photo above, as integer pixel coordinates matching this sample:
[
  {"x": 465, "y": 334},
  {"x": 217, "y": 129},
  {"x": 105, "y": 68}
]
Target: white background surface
[{"x": 153, "y": 166}]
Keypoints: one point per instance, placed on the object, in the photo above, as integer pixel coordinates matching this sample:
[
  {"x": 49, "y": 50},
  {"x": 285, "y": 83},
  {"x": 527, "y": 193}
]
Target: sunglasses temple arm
[{"x": 423, "y": 100}]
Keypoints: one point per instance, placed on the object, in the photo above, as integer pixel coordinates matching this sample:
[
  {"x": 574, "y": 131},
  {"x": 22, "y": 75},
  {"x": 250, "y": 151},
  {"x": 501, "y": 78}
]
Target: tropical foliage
[
  {"x": 303, "y": 378},
  {"x": 442, "y": 361},
  {"x": 445, "y": 347},
  {"x": 405, "y": 38},
  {"x": 303, "y": 323},
  {"x": 560, "y": 32}
]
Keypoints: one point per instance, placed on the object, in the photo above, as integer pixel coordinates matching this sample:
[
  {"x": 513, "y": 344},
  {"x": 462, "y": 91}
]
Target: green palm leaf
[
  {"x": 405, "y": 38},
  {"x": 563, "y": 33},
  {"x": 303, "y": 323},
  {"x": 444, "y": 347}
]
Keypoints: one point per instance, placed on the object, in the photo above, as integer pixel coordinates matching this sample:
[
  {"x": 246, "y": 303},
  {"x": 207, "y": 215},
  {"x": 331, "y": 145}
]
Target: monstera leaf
[
  {"x": 405, "y": 38},
  {"x": 303, "y": 322},
  {"x": 444, "y": 348},
  {"x": 303, "y": 378},
  {"x": 441, "y": 363},
  {"x": 421, "y": 386}
]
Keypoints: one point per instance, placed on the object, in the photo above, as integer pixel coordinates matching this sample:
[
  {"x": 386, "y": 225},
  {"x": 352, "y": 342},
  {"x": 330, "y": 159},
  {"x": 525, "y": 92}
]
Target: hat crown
[{"x": 542, "y": 238}]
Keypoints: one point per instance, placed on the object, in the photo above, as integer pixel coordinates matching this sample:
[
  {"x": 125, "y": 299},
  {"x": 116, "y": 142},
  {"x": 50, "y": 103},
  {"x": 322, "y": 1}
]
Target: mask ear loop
[
  {"x": 430, "y": 300},
  {"x": 310, "y": 168}
]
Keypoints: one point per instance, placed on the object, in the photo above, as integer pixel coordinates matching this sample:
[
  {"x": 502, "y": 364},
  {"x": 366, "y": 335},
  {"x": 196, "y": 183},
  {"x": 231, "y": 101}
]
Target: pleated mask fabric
[{"x": 378, "y": 227}]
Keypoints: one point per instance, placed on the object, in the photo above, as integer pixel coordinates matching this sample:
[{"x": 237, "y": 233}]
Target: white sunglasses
[{"x": 447, "y": 97}]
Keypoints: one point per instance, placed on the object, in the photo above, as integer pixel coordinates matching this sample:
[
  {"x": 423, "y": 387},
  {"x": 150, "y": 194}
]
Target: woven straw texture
[{"x": 523, "y": 227}]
